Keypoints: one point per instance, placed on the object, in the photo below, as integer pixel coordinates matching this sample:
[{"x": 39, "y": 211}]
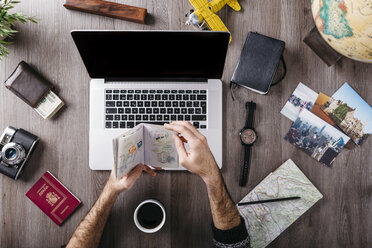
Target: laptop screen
[{"x": 153, "y": 54}]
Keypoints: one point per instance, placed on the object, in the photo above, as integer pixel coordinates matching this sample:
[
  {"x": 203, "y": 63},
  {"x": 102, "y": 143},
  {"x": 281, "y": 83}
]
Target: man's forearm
[
  {"x": 89, "y": 231},
  {"x": 224, "y": 213}
]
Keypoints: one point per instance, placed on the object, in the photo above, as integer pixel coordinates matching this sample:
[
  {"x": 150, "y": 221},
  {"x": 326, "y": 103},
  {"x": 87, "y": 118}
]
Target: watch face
[{"x": 248, "y": 136}]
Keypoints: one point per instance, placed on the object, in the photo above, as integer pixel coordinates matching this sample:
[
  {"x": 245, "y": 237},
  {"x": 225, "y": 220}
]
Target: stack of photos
[
  {"x": 333, "y": 123},
  {"x": 302, "y": 98},
  {"x": 316, "y": 137},
  {"x": 351, "y": 113}
]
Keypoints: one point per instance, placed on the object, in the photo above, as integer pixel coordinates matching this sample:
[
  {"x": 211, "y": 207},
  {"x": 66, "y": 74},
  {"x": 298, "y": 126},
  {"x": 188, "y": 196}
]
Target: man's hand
[
  {"x": 126, "y": 182},
  {"x": 198, "y": 159}
]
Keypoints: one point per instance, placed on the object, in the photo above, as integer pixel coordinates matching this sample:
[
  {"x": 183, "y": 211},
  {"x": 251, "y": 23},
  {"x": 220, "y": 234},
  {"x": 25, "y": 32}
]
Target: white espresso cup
[{"x": 149, "y": 216}]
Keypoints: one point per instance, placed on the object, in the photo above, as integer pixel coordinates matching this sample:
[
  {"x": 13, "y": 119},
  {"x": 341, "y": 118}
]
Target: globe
[{"x": 346, "y": 25}]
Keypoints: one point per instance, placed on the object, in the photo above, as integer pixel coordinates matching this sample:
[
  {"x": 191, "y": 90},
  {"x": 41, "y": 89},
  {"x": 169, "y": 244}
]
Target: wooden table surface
[{"x": 342, "y": 218}]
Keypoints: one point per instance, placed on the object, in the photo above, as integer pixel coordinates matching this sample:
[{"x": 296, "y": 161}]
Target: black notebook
[{"x": 258, "y": 63}]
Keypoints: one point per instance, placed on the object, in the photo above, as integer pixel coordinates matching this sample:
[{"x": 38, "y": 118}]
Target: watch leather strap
[
  {"x": 251, "y": 106},
  {"x": 245, "y": 168}
]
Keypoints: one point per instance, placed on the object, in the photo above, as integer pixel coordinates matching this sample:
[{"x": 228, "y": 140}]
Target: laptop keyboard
[{"x": 128, "y": 108}]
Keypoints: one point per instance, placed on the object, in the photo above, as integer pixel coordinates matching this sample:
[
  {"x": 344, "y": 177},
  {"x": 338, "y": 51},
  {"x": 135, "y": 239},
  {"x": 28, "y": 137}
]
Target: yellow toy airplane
[{"x": 204, "y": 13}]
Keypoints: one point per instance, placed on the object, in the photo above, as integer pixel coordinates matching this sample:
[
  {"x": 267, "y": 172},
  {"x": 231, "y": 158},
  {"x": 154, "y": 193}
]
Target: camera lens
[{"x": 10, "y": 153}]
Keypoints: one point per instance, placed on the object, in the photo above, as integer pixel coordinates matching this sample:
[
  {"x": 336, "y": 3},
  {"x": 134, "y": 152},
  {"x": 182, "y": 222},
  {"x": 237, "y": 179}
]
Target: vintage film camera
[{"x": 16, "y": 145}]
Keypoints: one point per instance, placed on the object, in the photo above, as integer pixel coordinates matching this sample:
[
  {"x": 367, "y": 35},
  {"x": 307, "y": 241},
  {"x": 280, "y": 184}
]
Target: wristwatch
[{"x": 248, "y": 137}]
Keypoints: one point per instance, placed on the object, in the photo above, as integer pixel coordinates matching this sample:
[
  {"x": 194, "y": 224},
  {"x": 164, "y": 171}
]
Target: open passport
[{"x": 147, "y": 144}]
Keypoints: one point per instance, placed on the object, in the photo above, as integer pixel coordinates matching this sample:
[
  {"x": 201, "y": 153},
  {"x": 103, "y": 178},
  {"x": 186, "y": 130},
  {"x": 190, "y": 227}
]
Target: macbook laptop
[{"x": 152, "y": 77}]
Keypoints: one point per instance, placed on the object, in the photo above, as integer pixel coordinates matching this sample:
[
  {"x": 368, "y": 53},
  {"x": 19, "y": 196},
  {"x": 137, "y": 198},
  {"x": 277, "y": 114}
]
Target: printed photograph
[
  {"x": 302, "y": 98},
  {"x": 351, "y": 113},
  {"x": 316, "y": 137}
]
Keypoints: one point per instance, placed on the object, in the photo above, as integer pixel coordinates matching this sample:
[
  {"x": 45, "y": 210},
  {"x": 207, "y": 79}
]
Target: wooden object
[
  {"x": 343, "y": 218},
  {"x": 316, "y": 42},
  {"x": 110, "y": 9}
]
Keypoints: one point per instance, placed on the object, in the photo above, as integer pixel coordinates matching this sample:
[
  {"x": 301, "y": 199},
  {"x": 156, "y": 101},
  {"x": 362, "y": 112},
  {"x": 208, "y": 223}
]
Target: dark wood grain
[
  {"x": 343, "y": 218},
  {"x": 110, "y": 9}
]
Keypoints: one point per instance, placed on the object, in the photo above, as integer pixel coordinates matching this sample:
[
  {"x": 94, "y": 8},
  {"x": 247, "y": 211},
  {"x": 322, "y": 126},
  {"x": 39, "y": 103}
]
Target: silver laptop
[{"x": 152, "y": 77}]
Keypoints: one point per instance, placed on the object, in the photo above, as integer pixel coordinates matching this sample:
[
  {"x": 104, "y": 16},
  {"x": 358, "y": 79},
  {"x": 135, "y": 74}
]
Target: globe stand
[{"x": 316, "y": 42}]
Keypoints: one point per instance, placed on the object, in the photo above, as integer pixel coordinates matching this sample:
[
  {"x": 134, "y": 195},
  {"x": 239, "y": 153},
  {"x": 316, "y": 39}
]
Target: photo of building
[
  {"x": 351, "y": 113},
  {"x": 316, "y": 137}
]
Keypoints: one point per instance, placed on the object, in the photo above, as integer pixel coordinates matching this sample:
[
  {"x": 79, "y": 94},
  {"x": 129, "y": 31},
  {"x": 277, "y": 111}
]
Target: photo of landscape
[
  {"x": 316, "y": 137},
  {"x": 351, "y": 113}
]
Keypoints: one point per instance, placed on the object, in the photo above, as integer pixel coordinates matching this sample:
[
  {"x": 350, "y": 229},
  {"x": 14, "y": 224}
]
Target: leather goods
[
  {"x": 28, "y": 84},
  {"x": 258, "y": 63},
  {"x": 248, "y": 137}
]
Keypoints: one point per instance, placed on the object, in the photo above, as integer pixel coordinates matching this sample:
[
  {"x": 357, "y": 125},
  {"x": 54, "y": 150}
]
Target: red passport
[{"x": 53, "y": 198}]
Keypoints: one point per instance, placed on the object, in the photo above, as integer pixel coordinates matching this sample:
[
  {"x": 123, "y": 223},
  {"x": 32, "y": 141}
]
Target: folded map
[
  {"x": 147, "y": 144},
  {"x": 266, "y": 221}
]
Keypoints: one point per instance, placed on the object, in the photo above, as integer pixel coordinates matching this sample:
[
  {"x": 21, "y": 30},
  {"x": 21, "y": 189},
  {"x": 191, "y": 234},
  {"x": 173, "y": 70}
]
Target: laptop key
[
  {"x": 110, "y": 104},
  {"x": 166, "y": 91},
  {"x": 182, "y": 104},
  {"x": 123, "y": 97},
  {"x": 122, "y": 124},
  {"x": 195, "y": 91},
  {"x": 155, "y": 110},
  {"x": 108, "y": 91},
  {"x": 134, "y": 110},
  {"x": 152, "y": 91},
  {"x": 115, "y": 124},
  {"x": 142, "y": 110},
  {"x": 130, "y": 91},
  {"x": 192, "y": 97},
  {"x": 148, "y": 111},
  {"x": 169, "y": 111},
  {"x": 196, "y": 124},
  {"x": 180, "y": 117},
  {"x": 126, "y": 104},
  {"x": 143, "y": 97},
  {"x": 166, "y": 117},
  {"x": 133, "y": 104},
  {"x": 173, "y": 91},
  {"x": 151, "y": 97},
  {"x": 185, "y": 97},
  {"x": 187, "y": 118},
  {"x": 175, "y": 104},
  {"x": 119, "y": 104},
  {"x": 108, "y": 97},
  {"x": 123, "y": 91},
  {"x": 189, "y": 104},
  {"x": 111, "y": 111},
  {"x": 178, "y": 97},
  {"x": 164, "y": 97},
  {"x": 138, "y": 117},
  {"x": 190, "y": 111},
  {"x": 196, "y": 104},
  {"x": 184, "y": 111},
  {"x": 159, "y": 117},
  {"x": 145, "y": 117},
  {"x": 157, "y": 97},
  {"x": 188, "y": 91},
  {"x": 154, "y": 104},
  {"x": 109, "y": 117},
  {"x": 137, "y": 91},
  {"x": 115, "y": 97},
  {"x": 117, "y": 117},
  {"x": 168, "y": 104},
  {"x": 131, "y": 117},
  {"x": 171, "y": 97},
  {"x": 202, "y": 97},
  {"x": 152, "y": 117},
  {"x": 130, "y": 124},
  {"x": 177, "y": 110},
  {"x": 173, "y": 117},
  {"x": 163, "y": 110},
  {"x": 140, "y": 104},
  {"x": 203, "y": 126},
  {"x": 147, "y": 104},
  {"x": 198, "y": 111},
  {"x": 124, "y": 117},
  {"x": 199, "y": 117},
  {"x": 181, "y": 91},
  {"x": 136, "y": 97},
  {"x": 108, "y": 124},
  {"x": 127, "y": 111},
  {"x": 161, "y": 104}
]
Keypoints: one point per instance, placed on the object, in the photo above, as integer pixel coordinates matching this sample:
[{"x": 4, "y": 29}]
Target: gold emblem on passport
[{"x": 52, "y": 198}]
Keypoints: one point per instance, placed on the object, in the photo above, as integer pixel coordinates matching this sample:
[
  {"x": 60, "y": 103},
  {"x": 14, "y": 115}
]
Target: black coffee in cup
[{"x": 150, "y": 215}]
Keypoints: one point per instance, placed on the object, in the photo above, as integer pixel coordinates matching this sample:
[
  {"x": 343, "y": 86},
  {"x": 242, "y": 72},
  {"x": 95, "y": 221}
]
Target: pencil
[{"x": 269, "y": 200}]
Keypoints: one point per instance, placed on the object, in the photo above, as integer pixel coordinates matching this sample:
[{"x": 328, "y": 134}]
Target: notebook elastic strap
[{"x": 234, "y": 85}]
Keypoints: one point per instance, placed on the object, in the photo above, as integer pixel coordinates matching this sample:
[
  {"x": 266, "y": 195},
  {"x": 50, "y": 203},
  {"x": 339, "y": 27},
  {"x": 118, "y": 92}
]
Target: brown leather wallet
[{"x": 28, "y": 84}]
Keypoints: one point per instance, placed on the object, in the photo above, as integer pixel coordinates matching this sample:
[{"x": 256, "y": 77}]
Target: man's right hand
[{"x": 198, "y": 159}]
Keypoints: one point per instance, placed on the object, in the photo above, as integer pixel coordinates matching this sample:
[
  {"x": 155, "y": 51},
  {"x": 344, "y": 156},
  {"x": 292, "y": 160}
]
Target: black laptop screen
[{"x": 152, "y": 54}]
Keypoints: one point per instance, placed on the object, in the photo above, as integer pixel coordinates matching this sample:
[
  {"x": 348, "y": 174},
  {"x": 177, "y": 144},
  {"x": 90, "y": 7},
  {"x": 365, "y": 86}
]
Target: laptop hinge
[{"x": 178, "y": 79}]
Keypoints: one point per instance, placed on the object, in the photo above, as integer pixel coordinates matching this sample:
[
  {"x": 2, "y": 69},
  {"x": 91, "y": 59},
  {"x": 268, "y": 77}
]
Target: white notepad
[{"x": 267, "y": 221}]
